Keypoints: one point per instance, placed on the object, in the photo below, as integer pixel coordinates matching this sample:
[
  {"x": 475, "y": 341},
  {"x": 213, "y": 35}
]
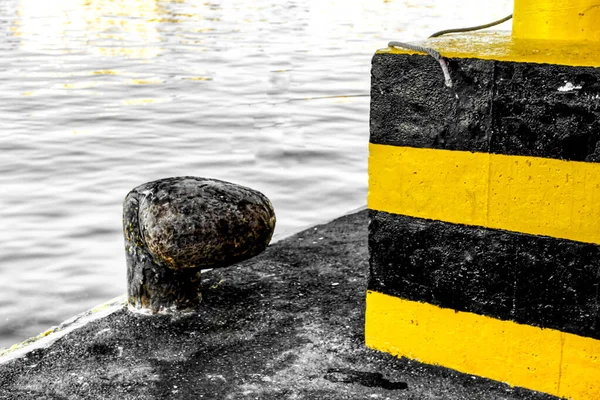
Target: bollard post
[{"x": 175, "y": 227}]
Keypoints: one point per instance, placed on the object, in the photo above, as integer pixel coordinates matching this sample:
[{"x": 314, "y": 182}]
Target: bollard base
[
  {"x": 151, "y": 287},
  {"x": 163, "y": 291}
]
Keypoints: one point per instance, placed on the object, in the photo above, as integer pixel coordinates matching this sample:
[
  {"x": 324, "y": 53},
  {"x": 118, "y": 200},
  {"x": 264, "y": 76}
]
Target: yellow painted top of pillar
[
  {"x": 573, "y": 20},
  {"x": 502, "y": 46}
]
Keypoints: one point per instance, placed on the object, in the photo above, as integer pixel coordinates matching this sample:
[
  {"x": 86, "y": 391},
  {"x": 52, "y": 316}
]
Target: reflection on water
[
  {"x": 99, "y": 96},
  {"x": 66, "y": 26}
]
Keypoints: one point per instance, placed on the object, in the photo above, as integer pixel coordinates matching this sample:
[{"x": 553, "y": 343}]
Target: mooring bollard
[{"x": 175, "y": 227}]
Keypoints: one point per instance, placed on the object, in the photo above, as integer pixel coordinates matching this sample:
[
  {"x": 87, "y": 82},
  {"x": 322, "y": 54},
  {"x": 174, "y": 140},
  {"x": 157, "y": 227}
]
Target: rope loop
[
  {"x": 436, "y": 55},
  {"x": 427, "y": 50}
]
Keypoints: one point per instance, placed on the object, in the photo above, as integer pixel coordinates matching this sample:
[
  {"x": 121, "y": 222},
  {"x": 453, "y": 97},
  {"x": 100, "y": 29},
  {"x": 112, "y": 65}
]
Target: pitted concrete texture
[
  {"x": 514, "y": 108},
  {"x": 287, "y": 324}
]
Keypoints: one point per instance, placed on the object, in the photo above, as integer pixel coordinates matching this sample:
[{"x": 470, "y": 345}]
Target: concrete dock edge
[{"x": 288, "y": 323}]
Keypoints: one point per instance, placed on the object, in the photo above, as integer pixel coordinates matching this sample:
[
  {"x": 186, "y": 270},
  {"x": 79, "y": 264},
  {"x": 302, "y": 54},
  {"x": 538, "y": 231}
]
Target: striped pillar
[{"x": 485, "y": 211}]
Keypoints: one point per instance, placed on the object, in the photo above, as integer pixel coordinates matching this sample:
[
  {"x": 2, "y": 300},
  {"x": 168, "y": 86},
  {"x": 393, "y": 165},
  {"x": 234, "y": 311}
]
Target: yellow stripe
[
  {"x": 532, "y": 195},
  {"x": 501, "y": 46},
  {"x": 545, "y": 360}
]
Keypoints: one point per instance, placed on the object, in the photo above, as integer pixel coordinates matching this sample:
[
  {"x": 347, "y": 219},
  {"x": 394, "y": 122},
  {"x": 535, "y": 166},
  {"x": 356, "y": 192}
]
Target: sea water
[{"x": 99, "y": 96}]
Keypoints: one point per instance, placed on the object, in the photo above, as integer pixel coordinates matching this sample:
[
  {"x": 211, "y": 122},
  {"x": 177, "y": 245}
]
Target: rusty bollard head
[{"x": 175, "y": 227}]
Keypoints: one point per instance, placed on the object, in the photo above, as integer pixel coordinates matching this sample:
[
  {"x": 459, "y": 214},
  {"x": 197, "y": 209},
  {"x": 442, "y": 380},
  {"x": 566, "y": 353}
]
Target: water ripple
[{"x": 99, "y": 96}]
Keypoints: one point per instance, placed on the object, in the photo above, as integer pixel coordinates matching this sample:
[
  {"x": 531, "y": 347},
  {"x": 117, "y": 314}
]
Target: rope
[
  {"x": 436, "y": 55},
  {"x": 473, "y": 28}
]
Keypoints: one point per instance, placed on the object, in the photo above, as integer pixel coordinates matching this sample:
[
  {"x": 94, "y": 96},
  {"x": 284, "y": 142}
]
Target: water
[{"x": 99, "y": 96}]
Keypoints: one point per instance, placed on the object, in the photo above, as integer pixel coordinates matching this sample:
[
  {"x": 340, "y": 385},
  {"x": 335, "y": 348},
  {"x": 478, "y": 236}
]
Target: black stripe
[
  {"x": 494, "y": 106},
  {"x": 534, "y": 280}
]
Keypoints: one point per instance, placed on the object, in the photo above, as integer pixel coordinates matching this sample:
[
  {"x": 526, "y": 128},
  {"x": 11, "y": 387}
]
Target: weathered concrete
[
  {"x": 287, "y": 324},
  {"x": 501, "y": 274},
  {"x": 512, "y": 108}
]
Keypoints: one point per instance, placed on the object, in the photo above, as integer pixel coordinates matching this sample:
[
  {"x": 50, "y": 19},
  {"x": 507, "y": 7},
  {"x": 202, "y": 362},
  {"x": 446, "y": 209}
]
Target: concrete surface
[{"x": 287, "y": 324}]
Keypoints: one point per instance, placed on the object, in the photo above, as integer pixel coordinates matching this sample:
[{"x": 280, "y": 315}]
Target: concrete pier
[{"x": 287, "y": 324}]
